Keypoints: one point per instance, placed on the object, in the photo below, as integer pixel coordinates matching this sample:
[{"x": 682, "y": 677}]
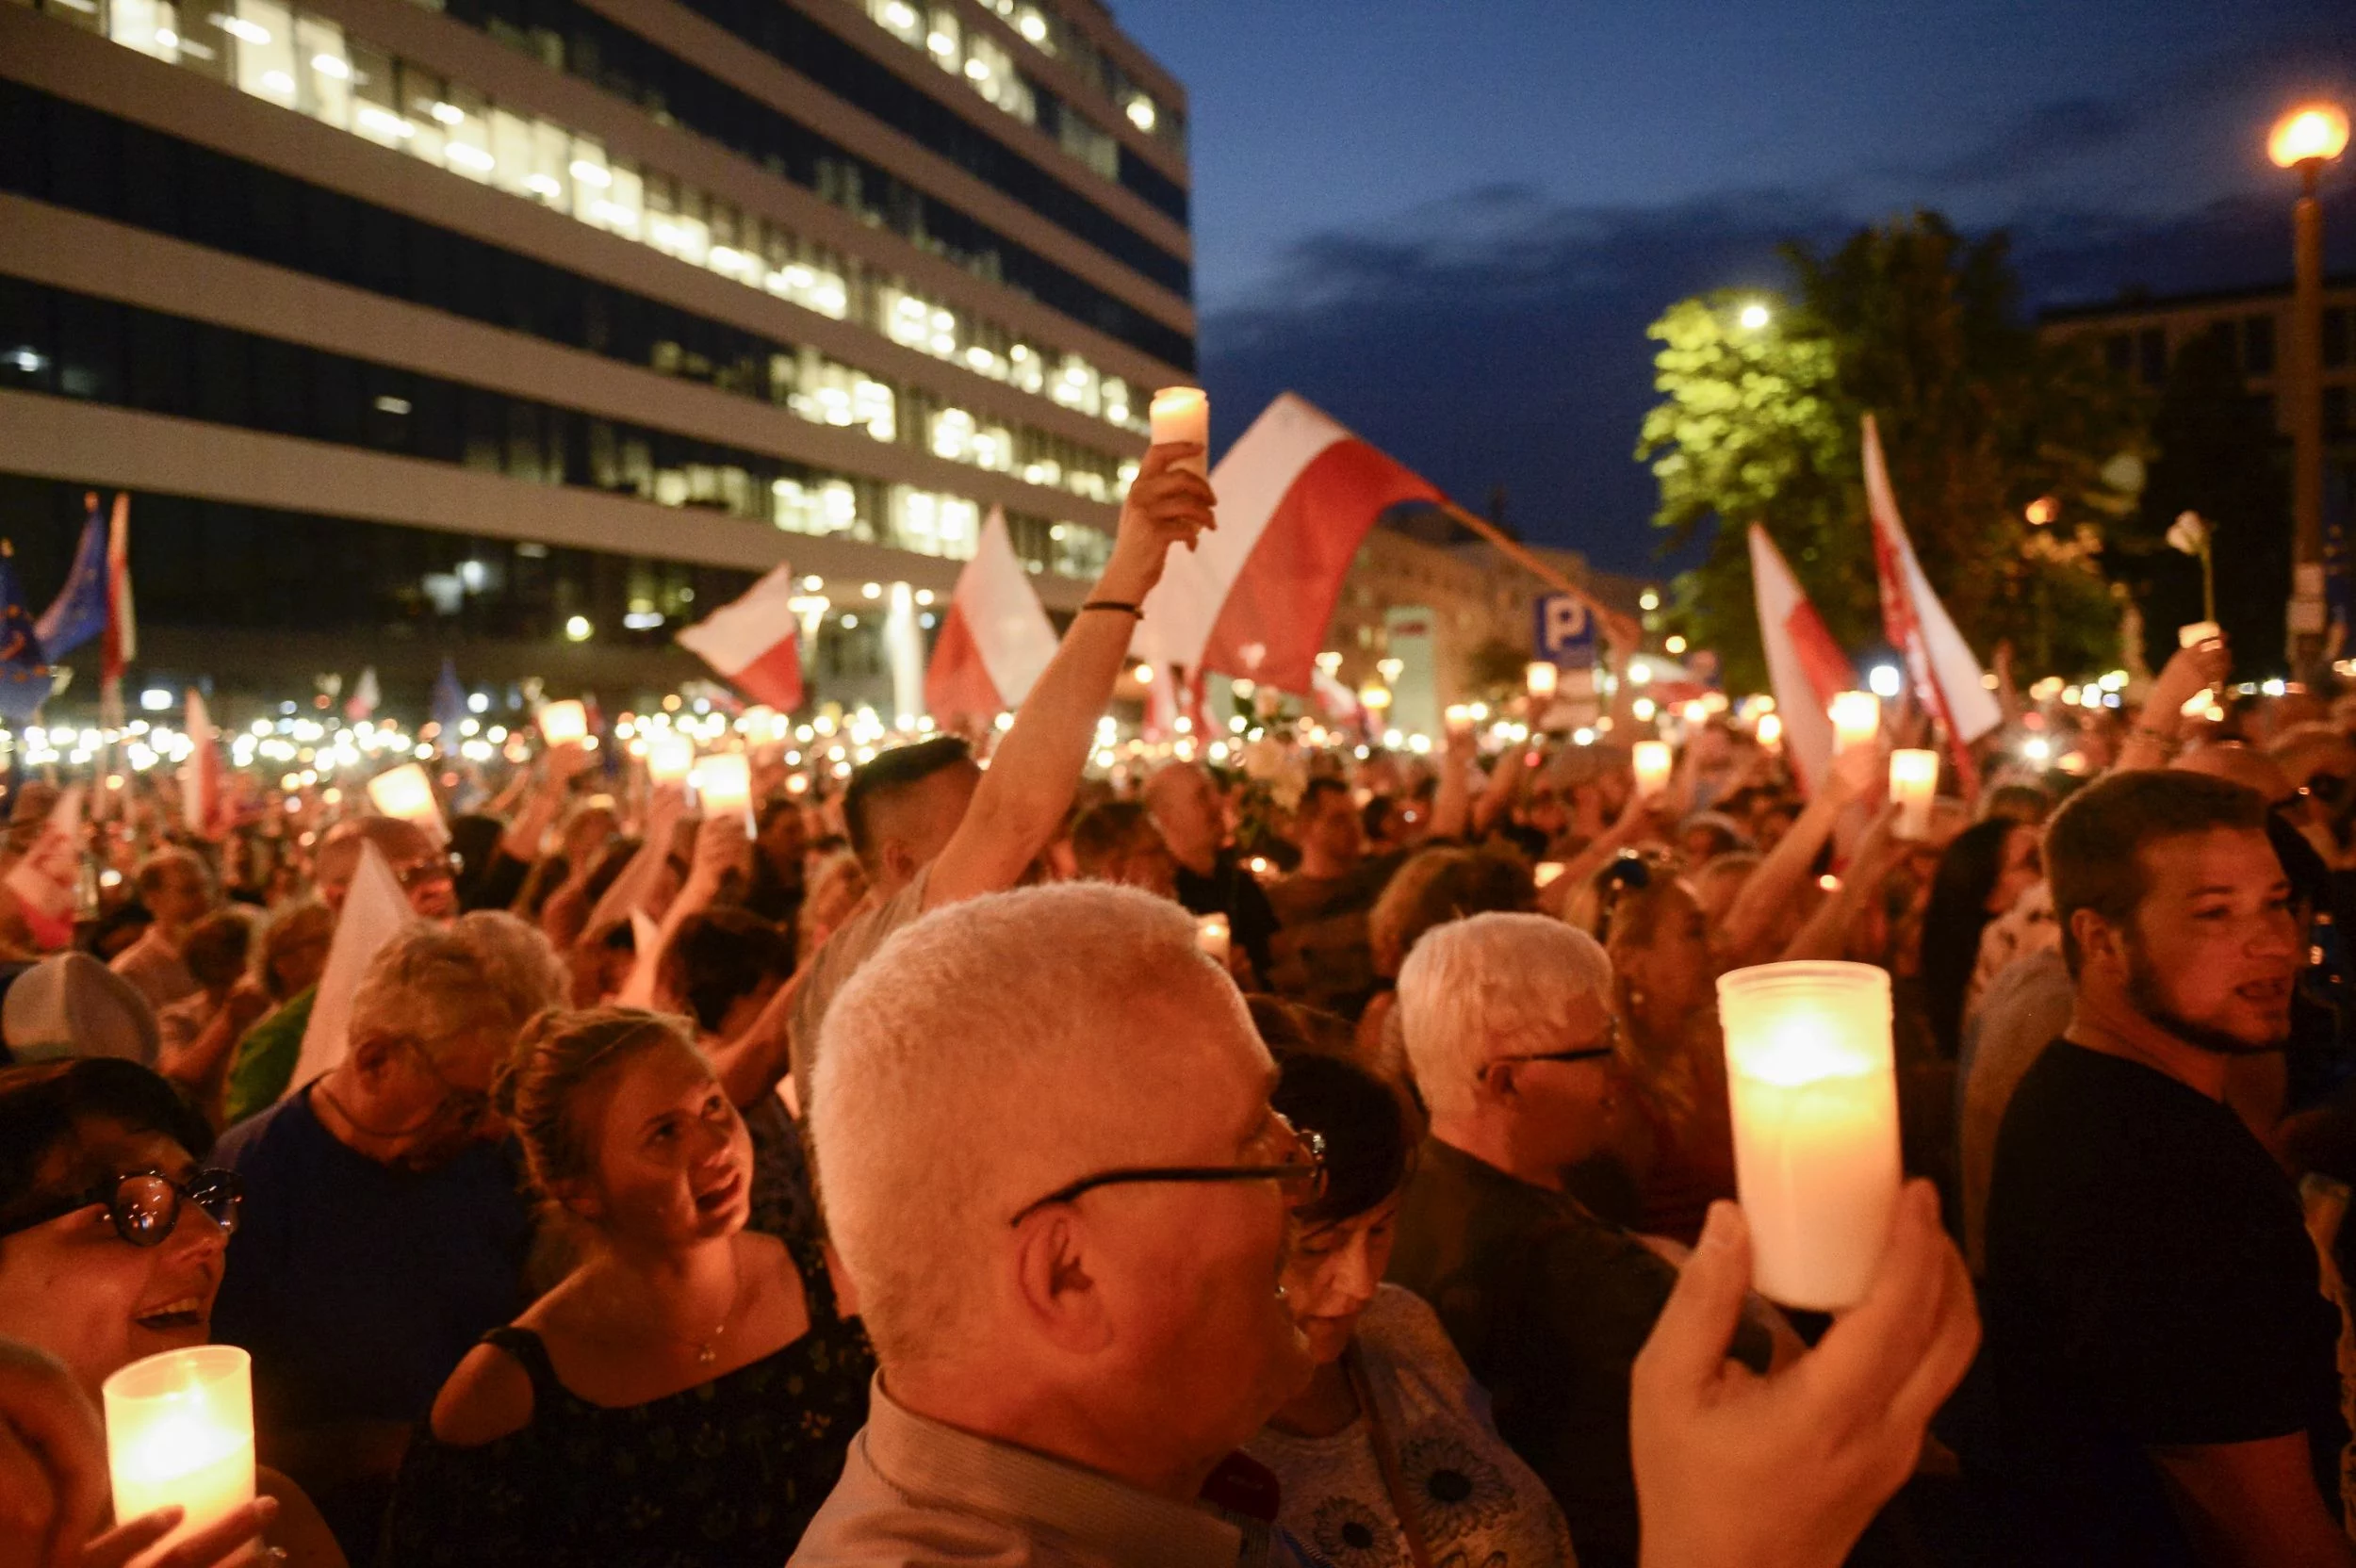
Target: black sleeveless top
[{"x": 724, "y": 1473}]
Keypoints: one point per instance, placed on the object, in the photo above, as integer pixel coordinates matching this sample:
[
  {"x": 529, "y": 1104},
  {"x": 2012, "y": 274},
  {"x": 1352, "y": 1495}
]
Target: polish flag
[
  {"x": 994, "y": 641},
  {"x": 753, "y": 643},
  {"x": 1947, "y": 679},
  {"x": 374, "y": 911},
  {"x": 1805, "y": 666},
  {"x": 204, "y": 779},
  {"x": 44, "y": 880},
  {"x": 1297, "y": 494}
]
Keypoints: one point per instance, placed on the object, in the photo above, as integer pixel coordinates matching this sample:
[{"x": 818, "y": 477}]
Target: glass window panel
[{"x": 262, "y": 34}]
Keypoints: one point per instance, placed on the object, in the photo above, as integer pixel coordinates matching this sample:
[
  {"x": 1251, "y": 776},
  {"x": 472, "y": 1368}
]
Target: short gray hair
[
  {"x": 437, "y": 986},
  {"x": 1472, "y": 983},
  {"x": 988, "y": 1053}
]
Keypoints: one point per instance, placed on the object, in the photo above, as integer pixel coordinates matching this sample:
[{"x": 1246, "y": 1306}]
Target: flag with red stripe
[
  {"x": 754, "y": 642},
  {"x": 1804, "y": 666},
  {"x": 995, "y": 639}
]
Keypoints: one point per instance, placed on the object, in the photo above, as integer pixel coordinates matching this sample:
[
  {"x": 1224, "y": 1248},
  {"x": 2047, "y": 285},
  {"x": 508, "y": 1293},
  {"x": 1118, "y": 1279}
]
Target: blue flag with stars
[
  {"x": 24, "y": 675},
  {"x": 450, "y": 702},
  {"x": 78, "y": 612}
]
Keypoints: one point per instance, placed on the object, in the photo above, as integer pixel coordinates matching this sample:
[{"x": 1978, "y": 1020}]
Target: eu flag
[
  {"x": 24, "y": 675},
  {"x": 78, "y": 612}
]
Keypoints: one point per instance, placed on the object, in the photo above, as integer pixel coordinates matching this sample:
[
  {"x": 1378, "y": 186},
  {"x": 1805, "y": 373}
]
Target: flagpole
[{"x": 1618, "y": 627}]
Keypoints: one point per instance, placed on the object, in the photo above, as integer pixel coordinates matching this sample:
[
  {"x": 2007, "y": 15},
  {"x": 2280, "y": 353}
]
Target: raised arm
[
  {"x": 2158, "y": 728},
  {"x": 1779, "y": 877},
  {"x": 1024, "y": 796}
]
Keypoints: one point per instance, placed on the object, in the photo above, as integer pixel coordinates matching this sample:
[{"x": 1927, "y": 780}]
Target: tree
[{"x": 1979, "y": 419}]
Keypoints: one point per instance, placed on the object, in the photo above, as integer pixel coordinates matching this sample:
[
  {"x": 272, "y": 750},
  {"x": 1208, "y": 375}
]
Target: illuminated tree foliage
[{"x": 1978, "y": 419}]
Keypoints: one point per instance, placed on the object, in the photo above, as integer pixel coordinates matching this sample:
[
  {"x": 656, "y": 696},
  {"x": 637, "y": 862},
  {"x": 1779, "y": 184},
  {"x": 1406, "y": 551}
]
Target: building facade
[{"x": 525, "y": 332}]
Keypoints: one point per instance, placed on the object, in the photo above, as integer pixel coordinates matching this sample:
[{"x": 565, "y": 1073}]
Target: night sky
[{"x": 1447, "y": 222}]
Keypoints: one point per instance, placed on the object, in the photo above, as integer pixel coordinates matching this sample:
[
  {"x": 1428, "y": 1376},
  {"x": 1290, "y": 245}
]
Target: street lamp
[
  {"x": 2306, "y": 138},
  {"x": 1754, "y": 315}
]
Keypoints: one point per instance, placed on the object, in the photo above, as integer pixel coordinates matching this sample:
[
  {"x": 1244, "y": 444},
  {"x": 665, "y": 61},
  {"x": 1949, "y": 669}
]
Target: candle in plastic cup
[
  {"x": 1913, "y": 784},
  {"x": 724, "y": 782},
  {"x": 1547, "y": 872},
  {"x": 1183, "y": 413},
  {"x": 564, "y": 724},
  {"x": 1814, "y": 1091},
  {"x": 1769, "y": 729},
  {"x": 670, "y": 757},
  {"x": 1543, "y": 678},
  {"x": 406, "y": 793},
  {"x": 1211, "y": 936},
  {"x": 1856, "y": 719},
  {"x": 1653, "y": 763},
  {"x": 2197, "y": 633},
  {"x": 180, "y": 1430}
]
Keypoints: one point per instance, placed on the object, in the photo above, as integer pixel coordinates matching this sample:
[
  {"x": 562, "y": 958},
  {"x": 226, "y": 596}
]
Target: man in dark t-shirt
[{"x": 2161, "y": 1358}]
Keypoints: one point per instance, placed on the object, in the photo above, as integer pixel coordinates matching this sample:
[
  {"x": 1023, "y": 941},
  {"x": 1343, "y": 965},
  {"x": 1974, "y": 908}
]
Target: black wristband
[{"x": 1112, "y": 604}]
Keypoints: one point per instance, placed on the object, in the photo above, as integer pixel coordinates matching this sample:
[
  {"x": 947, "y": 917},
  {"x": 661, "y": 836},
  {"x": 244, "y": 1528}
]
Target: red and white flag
[
  {"x": 43, "y": 882},
  {"x": 1947, "y": 679},
  {"x": 374, "y": 911},
  {"x": 204, "y": 777},
  {"x": 1297, "y": 494},
  {"x": 995, "y": 640},
  {"x": 755, "y": 643},
  {"x": 1805, "y": 666}
]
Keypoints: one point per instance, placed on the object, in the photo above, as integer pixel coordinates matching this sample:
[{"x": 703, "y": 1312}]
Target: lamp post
[{"x": 2306, "y": 138}]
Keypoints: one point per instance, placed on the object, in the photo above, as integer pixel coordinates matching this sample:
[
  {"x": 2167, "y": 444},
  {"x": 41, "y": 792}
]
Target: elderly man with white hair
[
  {"x": 1510, "y": 1036},
  {"x": 1051, "y": 1168}
]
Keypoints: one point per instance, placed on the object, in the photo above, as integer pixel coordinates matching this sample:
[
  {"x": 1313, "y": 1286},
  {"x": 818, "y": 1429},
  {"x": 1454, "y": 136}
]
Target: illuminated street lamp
[
  {"x": 2306, "y": 138},
  {"x": 1754, "y": 315}
]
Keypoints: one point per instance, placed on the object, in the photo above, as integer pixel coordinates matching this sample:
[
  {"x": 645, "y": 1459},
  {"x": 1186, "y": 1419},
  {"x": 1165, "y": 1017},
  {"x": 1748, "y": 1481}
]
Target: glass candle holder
[{"x": 180, "y": 1430}]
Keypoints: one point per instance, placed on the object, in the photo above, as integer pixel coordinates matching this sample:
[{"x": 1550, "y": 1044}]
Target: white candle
[
  {"x": 2197, "y": 633},
  {"x": 1769, "y": 729},
  {"x": 1856, "y": 719},
  {"x": 1543, "y": 678},
  {"x": 1913, "y": 784},
  {"x": 1547, "y": 873},
  {"x": 1814, "y": 1091},
  {"x": 180, "y": 1430},
  {"x": 406, "y": 793},
  {"x": 724, "y": 782},
  {"x": 1653, "y": 763},
  {"x": 670, "y": 757},
  {"x": 563, "y": 723},
  {"x": 1183, "y": 413},
  {"x": 1211, "y": 936}
]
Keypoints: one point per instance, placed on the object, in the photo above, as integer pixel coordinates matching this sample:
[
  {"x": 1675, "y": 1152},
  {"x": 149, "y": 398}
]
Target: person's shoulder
[
  {"x": 238, "y": 1148},
  {"x": 487, "y": 1398}
]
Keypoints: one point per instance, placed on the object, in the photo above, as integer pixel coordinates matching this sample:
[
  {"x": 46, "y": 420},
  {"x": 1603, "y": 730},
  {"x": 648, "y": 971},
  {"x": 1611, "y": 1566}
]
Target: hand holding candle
[
  {"x": 1769, "y": 729},
  {"x": 1812, "y": 1082},
  {"x": 180, "y": 1433},
  {"x": 1211, "y": 938},
  {"x": 670, "y": 757},
  {"x": 1857, "y": 720},
  {"x": 1913, "y": 784},
  {"x": 724, "y": 782},
  {"x": 1183, "y": 415},
  {"x": 563, "y": 723},
  {"x": 1654, "y": 764},
  {"x": 406, "y": 793},
  {"x": 1544, "y": 679}
]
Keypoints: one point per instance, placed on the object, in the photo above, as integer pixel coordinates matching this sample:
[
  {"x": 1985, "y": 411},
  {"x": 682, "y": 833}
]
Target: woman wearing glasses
[
  {"x": 111, "y": 1246},
  {"x": 686, "y": 1394},
  {"x": 1388, "y": 1456}
]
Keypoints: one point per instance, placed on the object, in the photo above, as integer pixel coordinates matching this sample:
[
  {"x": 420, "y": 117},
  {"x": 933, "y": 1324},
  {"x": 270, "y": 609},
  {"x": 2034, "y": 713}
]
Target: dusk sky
[{"x": 1449, "y": 223}]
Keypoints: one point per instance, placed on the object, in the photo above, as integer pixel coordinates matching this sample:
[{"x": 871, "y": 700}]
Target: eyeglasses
[
  {"x": 435, "y": 868},
  {"x": 1605, "y": 1044},
  {"x": 1296, "y": 1164},
  {"x": 144, "y": 1205},
  {"x": 1630, "y": 869}
]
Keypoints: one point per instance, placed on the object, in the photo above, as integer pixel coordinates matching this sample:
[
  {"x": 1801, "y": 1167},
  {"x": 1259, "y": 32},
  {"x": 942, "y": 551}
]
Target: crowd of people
[{"x": 1328, "y": 1163}]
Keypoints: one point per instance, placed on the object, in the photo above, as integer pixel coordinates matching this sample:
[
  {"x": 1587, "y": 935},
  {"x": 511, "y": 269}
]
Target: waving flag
[
  {"x": 1804, "y": 664},
  {"x": 45, "y": 881},
  {"x": 1297, "y": 496},
  {"x": 203, "y": 777},
  {"x": 374, "y": 910},
  {"x": 119, "y": 645},
  {"x": 1947, "y": 678},
  {"x": 995, "y": 639},
  {"x": 449, "y": 700},
  {"x": 365, "y": 695},
  {"x": 754, "y": 642},
  {"x": 78, "y": 612},
  {"x": 26, "y": 677}
]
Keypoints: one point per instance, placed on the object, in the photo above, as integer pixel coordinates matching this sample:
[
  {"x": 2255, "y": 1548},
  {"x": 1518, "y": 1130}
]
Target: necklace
[{"x": 706, "y": 1347}]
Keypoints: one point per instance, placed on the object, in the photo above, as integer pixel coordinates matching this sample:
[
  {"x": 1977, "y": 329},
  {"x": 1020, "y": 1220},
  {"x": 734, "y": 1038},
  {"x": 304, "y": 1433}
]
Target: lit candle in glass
[
  {"x": 564, "y": 724},
  {"x": 670, "y": 757},
  {"x": 406, "y": 793},
  {"x": 1814, "y": 1091},
  {"x": 1653, "y": 764},
  {"x": 1183, "y": 413},
  {"x": 180, "y": 1430},
  {"x": 2197, "y": 633},
  {"x": 1856, "y": 719},
  {"x": 1543, "y": 678},
  {"x": 724, "y": 782},
  {"x": 1913, "y": 784},
  {"x": 1211, "y": 936}
]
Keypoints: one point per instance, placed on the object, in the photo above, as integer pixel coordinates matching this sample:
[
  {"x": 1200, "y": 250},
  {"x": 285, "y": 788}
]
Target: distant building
[{"x": 526, "y": 331}]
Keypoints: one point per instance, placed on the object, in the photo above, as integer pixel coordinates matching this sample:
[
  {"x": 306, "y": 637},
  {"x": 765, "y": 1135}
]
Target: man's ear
[
  {"x": 1055, "y": 1288},
  {"x": 2099, "y": 941},
  {"x": 898, "y": 864},
  {"x": 579, "y": 1199},
  {"x": 1501, "y": 1080},
  {"x": 370, "y": 1056}
]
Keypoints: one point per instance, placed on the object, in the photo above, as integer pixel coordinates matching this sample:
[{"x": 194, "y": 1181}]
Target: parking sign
[{"x": 1566, "y": 632}]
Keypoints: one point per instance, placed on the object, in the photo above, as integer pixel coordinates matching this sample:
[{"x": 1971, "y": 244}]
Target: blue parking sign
[{"x": 1566, "y": 632}]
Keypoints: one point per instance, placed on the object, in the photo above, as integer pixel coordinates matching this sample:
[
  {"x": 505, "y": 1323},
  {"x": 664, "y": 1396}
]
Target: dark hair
[
  {"x": 721, "y": 955},
  {"x": 41, "y": 1103},
  {"x": 1105, "y": 831},
  {"x": 2093, "y": 849},
  {"x": 2025, "y": 804},
  {"x": 1952, "y": 919},
  {"x": 1314, "y": 793},
  {"x": 216, "y": 946},
  {"x": 889, "y": 774},
  {"x": 1362, "y": 1121}
]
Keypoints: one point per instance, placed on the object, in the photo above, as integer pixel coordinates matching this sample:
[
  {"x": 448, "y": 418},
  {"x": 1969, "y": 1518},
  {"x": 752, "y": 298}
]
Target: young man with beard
[{"x": 2162, "y": 1359}]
